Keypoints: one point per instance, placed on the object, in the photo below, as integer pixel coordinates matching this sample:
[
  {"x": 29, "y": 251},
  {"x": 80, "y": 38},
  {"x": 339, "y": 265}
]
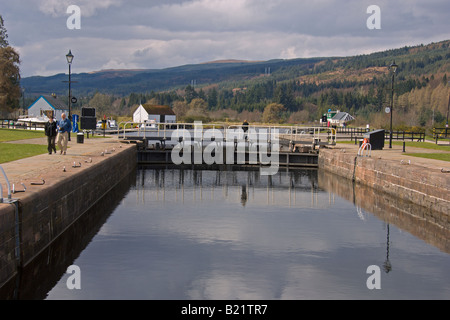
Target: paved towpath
[{"x": 51, "y": 167}]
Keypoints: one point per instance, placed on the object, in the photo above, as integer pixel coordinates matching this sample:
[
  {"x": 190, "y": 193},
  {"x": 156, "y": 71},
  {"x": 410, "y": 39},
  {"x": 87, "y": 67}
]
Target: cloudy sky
[{"x": 138, "y": 34}]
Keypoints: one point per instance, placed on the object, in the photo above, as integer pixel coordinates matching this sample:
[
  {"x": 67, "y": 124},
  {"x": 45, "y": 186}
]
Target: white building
[
  {"x": 46, "y": 105},
  {"x": 154, "y": 113},
  {"x": 341, "y": 119}
]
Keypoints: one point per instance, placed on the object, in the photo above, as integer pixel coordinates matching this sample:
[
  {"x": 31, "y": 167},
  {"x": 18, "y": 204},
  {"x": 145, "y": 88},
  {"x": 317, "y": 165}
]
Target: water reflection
[
  {"x": 432, "y": 227},
  {"x": 387, "y": 266},
  {"x": 186, "y": 234},
  {"x": 43, "y": 273},
  {"x": 289, "y": 188}
]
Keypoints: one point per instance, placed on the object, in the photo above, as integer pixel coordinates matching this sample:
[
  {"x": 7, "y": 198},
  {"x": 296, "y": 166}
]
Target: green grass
[
  {"x": 19, "y": 134},
  {"x": 97, "y": 137},
  {"x": 11, "y": 152},
  {"x": 435, "y": 156},
  {"x": 425, "y": 145}
]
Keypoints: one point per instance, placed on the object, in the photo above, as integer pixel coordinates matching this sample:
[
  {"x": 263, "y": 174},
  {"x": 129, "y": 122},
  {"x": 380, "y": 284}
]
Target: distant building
[
  {"x": 337, "y": 118},
  {"x": 154, "y": 113},
  {"x": 341, "y": 119},
  {"x": 46, "y": 105}
]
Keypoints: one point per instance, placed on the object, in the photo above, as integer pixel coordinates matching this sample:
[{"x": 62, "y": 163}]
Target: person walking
[
  {"x": 51, "y": 130},
  {"x": 245, "y": 125},
  {"x": 64, "y": 127}
]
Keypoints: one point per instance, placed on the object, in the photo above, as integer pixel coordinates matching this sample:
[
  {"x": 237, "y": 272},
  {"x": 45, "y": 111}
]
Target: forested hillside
[{"x": 289, "y": 91}]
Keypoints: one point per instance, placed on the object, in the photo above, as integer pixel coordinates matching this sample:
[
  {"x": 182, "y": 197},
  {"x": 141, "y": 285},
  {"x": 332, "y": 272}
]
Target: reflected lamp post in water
[
  {"x": 394, "y": 68},
  {"x": 387, "y": 264},
  {"x": 244, "y": 195}
]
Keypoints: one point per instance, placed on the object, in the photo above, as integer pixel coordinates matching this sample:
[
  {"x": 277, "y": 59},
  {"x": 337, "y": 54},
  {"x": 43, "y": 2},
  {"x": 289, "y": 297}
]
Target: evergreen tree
[
  {"x": 190, "y": 94},
  {"x": 212, "y": 98},
  {"x": 3, "y": 34}
]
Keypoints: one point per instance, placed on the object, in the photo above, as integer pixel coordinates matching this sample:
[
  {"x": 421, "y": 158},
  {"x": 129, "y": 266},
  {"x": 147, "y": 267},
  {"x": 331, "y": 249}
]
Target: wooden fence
[
  {"x": 396, "y": 135},
  {"x": 441, "y": 133}
]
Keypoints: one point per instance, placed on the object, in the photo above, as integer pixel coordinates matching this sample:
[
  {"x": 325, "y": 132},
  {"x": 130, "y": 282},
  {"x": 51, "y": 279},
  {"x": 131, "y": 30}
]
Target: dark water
[{"x": 226, "y": 235}]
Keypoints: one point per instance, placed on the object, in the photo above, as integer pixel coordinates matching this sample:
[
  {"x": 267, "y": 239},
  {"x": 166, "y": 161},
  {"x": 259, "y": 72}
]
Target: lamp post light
[
  {"x": 394, "y": 68},
  {"x": 69, "y": 58}
]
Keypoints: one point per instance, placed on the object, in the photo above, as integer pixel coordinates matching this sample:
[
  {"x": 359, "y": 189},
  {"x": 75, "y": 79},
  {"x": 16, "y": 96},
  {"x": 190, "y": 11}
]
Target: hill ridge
[{"x": 126, "y": 81}]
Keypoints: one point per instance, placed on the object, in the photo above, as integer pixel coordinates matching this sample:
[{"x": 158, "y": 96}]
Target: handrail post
[{"x": 7, "y": 184}]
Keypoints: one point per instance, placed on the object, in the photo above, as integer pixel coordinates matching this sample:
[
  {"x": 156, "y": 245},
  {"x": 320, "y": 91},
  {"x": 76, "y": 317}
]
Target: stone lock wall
[
  {"x": 45, "y": 214},
  {"x": 429, "y": 188}
]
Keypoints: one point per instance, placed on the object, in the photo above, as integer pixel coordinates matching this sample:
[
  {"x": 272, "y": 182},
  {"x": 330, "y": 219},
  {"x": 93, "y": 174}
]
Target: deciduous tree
[
  {"x": 102, "y": 103},
  {"x": 9, "y": 73},
  {"x": 9, "y": 79},
  {"x": 180, "y": 108},
  {"x": 272, "y": 113}
]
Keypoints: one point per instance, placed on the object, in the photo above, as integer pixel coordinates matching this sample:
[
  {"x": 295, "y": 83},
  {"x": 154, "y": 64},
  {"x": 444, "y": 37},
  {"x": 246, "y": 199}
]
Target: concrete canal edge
[
  {"x": 43, "y": 213},
  {"x": 424, "y": 186}
]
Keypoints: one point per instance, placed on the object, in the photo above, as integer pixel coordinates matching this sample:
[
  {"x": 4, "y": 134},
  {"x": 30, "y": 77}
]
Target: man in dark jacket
[
  {"x": 51, "y": 131},
  {"x": 245, "y": 128}
]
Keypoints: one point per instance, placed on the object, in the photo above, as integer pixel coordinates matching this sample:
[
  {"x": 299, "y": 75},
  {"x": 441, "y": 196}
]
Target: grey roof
[
  {"x": 158, "y": 110},
  {"x": 343, "y": 116},
  {"x": 55, "y": 102}
]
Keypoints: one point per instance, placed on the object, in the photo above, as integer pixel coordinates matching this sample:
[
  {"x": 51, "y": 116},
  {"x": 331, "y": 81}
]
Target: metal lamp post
[
  {"x": 394, "y": 68},
  {"x": 69, "y": 58}
]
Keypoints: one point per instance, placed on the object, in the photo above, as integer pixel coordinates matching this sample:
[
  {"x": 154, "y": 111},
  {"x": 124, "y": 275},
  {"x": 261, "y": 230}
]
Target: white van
[
  {"x": 99, "y": 124},
  {"x": 110, "y": 124},
  {"x": 113, "y": 124},
  {"x": 149, "y": 125}
]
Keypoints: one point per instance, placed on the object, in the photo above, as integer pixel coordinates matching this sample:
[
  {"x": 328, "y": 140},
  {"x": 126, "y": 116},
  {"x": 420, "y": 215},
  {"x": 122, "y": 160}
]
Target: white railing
[
  {"x": 165, "y": 131},
  {"x": 7, "y": 184},
  {"x": 365, "y": 146}
]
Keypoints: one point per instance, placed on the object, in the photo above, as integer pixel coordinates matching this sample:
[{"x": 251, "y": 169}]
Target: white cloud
[
  {"x": 58, "y": 8},
  {"x": 159, "y": 33}
]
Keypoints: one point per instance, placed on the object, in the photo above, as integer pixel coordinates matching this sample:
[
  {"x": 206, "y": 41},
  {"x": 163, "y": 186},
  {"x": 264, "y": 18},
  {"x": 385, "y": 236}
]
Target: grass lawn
[
  {"x": 425, "y": 145},
  {"x": 436, "y": 156},
  {"x": 11, "y": 152},
  {"x": 19, "y": 134},
  {"x": 428, "y": 146}
]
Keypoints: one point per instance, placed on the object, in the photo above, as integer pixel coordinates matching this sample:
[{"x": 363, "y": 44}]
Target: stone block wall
[
  {"x": 44, "y": 214},
  {"x": 425, "y": 187}
]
